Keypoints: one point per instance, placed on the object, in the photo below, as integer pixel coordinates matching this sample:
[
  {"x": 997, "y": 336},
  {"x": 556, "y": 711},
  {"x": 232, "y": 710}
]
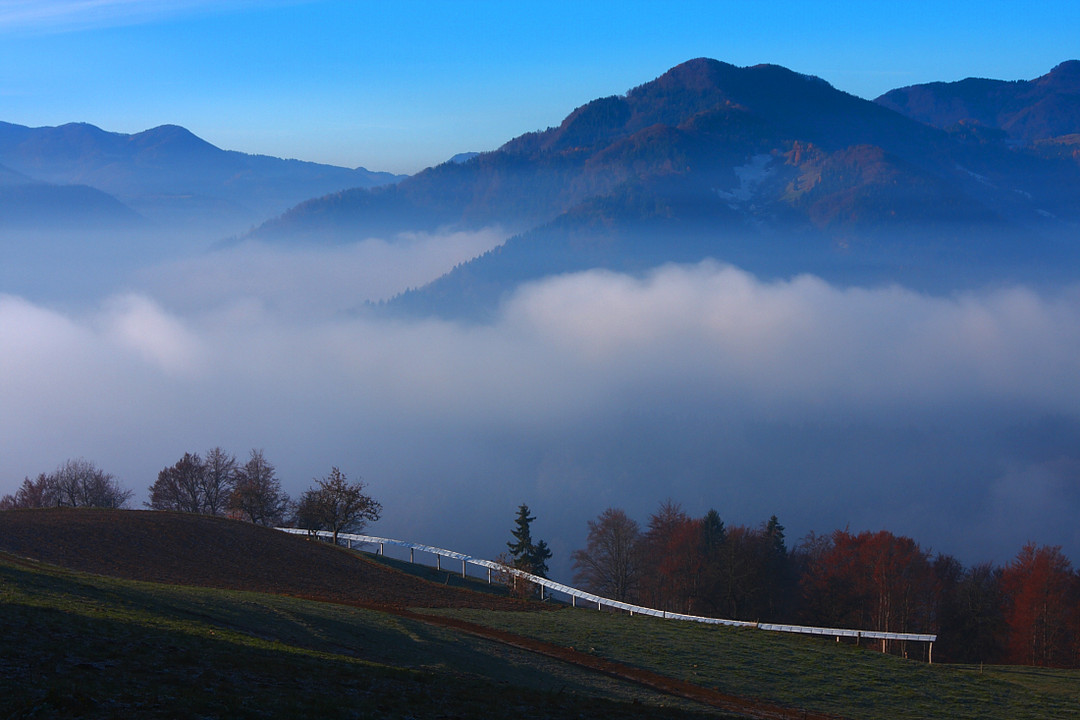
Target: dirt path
[{"x": 748, "y": 707}]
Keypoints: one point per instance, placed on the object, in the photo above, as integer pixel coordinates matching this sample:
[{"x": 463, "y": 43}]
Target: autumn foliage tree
[
  {"x": 1026, "y": 613},
  {"x": 671, "y": 558},
  {"x": 877, "y": 581},
  {"x": 1041, "y": 598},
  {"x": 36, "y": 493}
]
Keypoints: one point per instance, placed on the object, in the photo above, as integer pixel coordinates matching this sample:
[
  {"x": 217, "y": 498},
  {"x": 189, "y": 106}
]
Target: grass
[
  {"x": 79, "y": 645},
  {"x": 812, "y": 673},
  {"x": 447, "y": 576}
]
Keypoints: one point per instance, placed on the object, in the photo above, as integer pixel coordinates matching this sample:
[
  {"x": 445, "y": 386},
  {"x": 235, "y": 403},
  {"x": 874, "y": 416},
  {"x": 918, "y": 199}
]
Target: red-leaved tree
[{"x": 1040, "y": 607}]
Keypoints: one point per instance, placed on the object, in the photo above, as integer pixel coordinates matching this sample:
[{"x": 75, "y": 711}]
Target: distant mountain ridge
[
  {"x": 702, "y": 115},
  {"x": 761, "y": 166},
  {"x": 171, "y": 176},
  {"x": 1027, "y": 110}
]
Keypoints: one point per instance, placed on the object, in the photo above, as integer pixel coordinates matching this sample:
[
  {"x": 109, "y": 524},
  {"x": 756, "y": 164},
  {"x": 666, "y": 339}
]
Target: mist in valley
[{"x": 950, "y": 417}]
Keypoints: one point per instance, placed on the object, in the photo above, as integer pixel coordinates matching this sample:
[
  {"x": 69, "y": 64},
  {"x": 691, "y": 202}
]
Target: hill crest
[{"x": 186, "y": 549}]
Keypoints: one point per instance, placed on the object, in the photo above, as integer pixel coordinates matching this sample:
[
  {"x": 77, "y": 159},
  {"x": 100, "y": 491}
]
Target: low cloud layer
[
  {"x": 308, "y": 280},
  {"x": 952, "y": 419}
]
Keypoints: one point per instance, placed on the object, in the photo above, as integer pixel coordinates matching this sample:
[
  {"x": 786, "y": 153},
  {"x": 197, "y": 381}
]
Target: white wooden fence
[{"x": 574, "y": 595}]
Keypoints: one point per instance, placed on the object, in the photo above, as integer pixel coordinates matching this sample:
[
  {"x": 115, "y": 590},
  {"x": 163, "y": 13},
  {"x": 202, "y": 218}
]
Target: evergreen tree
[
  {"x": 774, "y": 531},
  {"x": 530, "y": 557},
  {"x": 713, "y": 532}
]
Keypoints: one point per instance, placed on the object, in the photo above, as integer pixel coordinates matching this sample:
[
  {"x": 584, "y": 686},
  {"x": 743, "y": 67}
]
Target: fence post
[
  {"x": 411, "y": 551},
  {"x": 462, "y": 568},
  {"x": 382, "y": 550},
  {"x": 438, "y": 561}
]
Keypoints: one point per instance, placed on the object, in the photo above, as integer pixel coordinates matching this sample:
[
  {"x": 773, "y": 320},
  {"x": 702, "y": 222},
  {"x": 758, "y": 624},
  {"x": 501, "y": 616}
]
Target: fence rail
[{"x": 601, "y": 602}]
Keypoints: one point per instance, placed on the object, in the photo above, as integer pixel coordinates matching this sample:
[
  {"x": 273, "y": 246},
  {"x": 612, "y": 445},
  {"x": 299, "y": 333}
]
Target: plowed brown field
[{"x": 184, "y": 549}]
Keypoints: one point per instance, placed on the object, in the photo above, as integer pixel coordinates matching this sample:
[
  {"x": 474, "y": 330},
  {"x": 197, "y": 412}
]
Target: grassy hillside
[
  {"x": 113, "y": 613},
  {"x": 80, "y": 645},
  {"x": 798, "y": 671}
]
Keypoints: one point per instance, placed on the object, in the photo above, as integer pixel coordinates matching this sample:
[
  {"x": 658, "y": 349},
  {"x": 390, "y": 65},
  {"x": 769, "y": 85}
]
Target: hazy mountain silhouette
[
  {"x": 1026, "y": 110},
  {"x": 759, "y": 166},
  {"x": 172, "y": 177},
  {"x": 10, "y": 177},
  {"x": 763, "y": 167},
  {"x": 35, "y": 209}
]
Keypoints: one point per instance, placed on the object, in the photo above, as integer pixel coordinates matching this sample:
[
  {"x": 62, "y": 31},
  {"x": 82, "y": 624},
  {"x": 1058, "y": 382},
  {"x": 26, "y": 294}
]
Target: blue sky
[{"x": 399, "y": 86}]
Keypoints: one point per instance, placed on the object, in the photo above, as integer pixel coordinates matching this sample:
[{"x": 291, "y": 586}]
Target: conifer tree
[{"x": 530, "y": 557}]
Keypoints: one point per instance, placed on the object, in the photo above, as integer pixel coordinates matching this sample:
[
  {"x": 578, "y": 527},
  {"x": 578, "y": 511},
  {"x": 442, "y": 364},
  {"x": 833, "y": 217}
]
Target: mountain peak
[
  {"x": 1065, "y": 76},
  {"x": 173, "y": 136},
  {"x": 697, "y": 74}
]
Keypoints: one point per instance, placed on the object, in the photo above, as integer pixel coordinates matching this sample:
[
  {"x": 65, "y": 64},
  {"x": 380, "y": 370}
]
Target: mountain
[
  {"x": 763, "y": 167},
  {"x": 1025, "y": 110},
  {"x": 10, "y": 177},
  {"x": 172, "y": 177},
  {"x": 699, "y": 121},
  {"x": 463, "y": 157},
  {"x": 32, "y": 209}
]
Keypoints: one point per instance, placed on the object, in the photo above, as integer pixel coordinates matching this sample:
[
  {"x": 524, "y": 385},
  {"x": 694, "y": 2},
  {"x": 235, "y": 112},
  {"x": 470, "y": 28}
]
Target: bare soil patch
[{"x": 186, "y": 549}]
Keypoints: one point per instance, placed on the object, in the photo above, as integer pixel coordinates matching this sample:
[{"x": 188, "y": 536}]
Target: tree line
[
  {"x": 1026, "y": 612},
  {"x": 215, "y": 483}
]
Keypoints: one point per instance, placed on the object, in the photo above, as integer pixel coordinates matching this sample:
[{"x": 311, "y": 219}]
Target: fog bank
[{"x": 955, "y": 420}]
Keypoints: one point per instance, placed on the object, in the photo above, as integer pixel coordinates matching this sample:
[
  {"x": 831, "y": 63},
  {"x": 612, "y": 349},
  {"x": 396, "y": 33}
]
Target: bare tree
[
  {"x": 194, "y": 485},
  {"x": 81, "y": 484},
  {"x": 337, "y": 505},
  {"x": 76, "y": 483},
  {"x": 308, "y": 515},
  {"x": 257, "y": 495},
  {"x": 180, "y": 487},
  {"x": 610, "y": 562},
  {"x": 218, "y": 481}
]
